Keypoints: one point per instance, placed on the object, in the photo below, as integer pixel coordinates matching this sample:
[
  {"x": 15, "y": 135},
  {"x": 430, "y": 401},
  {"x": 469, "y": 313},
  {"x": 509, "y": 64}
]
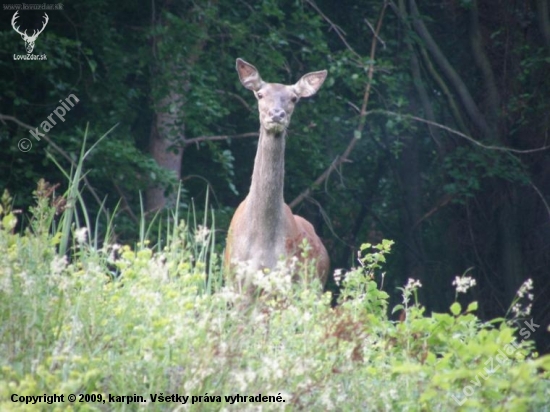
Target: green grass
[{"x": 158, "y": 321}]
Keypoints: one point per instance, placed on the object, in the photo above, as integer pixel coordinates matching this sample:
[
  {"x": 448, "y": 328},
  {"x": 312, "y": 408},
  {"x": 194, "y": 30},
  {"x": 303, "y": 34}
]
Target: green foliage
[
  {"x": 121, "y": 73},
  {"x": 160, "y": 326},
  {"x": 469, "y": 168},
  {"x": 360, "y": 291},
  {"x": 419, "y": 183}
]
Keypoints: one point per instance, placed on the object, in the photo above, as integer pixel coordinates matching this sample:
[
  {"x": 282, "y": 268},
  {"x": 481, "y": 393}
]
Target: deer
[
  {"x": 263, "y": 229},
  {"x": 29, "y": 40}
]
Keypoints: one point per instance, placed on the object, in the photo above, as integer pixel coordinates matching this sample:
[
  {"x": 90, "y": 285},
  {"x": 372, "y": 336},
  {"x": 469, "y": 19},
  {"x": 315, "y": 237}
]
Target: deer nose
[{"x": 277, "y": 115}]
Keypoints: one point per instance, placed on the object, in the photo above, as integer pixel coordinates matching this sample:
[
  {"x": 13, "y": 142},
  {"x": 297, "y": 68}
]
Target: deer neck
[{"x": 265, "y": 199}]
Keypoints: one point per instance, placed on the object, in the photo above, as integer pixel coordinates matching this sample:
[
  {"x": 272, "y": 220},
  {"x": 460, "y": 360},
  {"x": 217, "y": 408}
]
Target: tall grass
[{"x": 155, "y": 318}]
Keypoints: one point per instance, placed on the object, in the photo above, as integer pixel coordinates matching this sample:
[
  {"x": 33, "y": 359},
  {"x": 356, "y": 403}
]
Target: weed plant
[{"x": 155, "y": 319}]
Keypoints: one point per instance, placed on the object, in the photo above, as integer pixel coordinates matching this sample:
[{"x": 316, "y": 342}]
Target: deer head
[
  {"x": 29, "y": 40},
  {"x": 276, "y": 101}
]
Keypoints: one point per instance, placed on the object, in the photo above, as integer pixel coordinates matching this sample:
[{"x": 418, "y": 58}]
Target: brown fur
[{"x": 263, "y": 228}]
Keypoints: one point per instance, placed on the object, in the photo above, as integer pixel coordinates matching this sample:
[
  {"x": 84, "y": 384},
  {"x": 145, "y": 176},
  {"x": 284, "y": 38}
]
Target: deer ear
[
  {"x": 310, "y": 83},
  {"x": 248, "y": 75}
]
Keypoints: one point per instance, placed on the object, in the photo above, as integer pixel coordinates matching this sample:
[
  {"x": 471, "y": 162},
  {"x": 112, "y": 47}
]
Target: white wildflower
[
  {"x": 525, "y": 288},
  {"x": 359, "y": 258},
  {"x": 242, "y": 379},
  {"x": 299, "y": 368},
  {"x": 258, "y": 317},
  {"x": 113, "y": 254},
  {"x": 223, "y": 348},
  {"x": 5, "y": 280},
  {"x": 409, "y": 288},
  {"x": 285, "y": 395},
  {"x": 293, "y": 263},
  {"x": 326, "y": 401},
  {"x": 201, "y": 235},
  {"x": 191, "y": 385},
  {"x": 272, "y": 369},
  {"x": 228, "y": 294},
  {"x": 28, "y": 283},
  {"x": 93, "y": 270},
  {"x": 58, "y": 280},
  {"x": 76, "y": 326},
  {"x": 520, "y": 312},
  {"x": 58, "y": 264},
  {"x": 268, "y": 282},
  {"x": 338, "y": 275},
  {"x": 243, "y": 274},
  {"x": 516, "y": 309},
  {"x": 261, "y": 279},
  {"x": 81, "y": 235},
  {"x": 157, "y": 268},
  {"x": 147, "y": 355},
  {"x": 463, "y": 283},
  {"x": 413, "y": 284}
]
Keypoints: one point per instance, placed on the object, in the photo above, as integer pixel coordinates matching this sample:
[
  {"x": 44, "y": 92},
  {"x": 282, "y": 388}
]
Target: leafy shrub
[{"x": 149, "y": 320}]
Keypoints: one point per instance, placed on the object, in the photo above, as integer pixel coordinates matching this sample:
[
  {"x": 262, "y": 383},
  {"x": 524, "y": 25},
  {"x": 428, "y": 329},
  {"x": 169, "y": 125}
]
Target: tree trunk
[
  {"x": 511, "y": 256},
  {"x": 166, "y": 146},
  {"x": 411, "y": 213},
  {"x": 172, "y": 85}
]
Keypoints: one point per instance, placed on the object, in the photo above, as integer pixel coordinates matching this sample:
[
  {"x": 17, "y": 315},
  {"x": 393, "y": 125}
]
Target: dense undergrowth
[{"x": 148, "y": 321}]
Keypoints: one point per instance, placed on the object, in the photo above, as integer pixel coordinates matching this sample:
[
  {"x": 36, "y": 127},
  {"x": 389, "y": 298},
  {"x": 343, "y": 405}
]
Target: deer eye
[
  {"x": 259, "y": 95},
  {"x": 293, "y": 99}
]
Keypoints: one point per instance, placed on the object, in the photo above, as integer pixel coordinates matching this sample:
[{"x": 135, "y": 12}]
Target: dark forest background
[{"x": 432, "y": 128}]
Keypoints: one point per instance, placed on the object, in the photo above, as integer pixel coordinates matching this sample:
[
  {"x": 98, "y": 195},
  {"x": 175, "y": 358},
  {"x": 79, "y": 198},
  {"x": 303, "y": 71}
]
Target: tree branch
[
  {"x": 460, "y": 87},
  {"x": 418, "y": 83},
  {"x": 482, "y": 61},
  {"x": 445, "y": 89},
  {"x": 362, "y": 117},
  {"x": 236, "y": 96},
  {"x": 456, "y": 132},
  {"x": 401, "y": 12},
  {"x": 339, "y": 32},
  {"x": 197, "y": 140},
  {"x": 538, "y": 192}
]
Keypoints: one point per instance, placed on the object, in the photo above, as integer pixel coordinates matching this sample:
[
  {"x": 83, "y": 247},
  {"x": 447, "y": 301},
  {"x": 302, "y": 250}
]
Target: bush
[{"x": 126, "y": 327}]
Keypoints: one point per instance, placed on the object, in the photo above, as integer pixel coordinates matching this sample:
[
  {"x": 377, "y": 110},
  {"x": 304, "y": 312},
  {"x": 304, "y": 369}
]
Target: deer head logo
[{"x": 29, "y": 40}]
